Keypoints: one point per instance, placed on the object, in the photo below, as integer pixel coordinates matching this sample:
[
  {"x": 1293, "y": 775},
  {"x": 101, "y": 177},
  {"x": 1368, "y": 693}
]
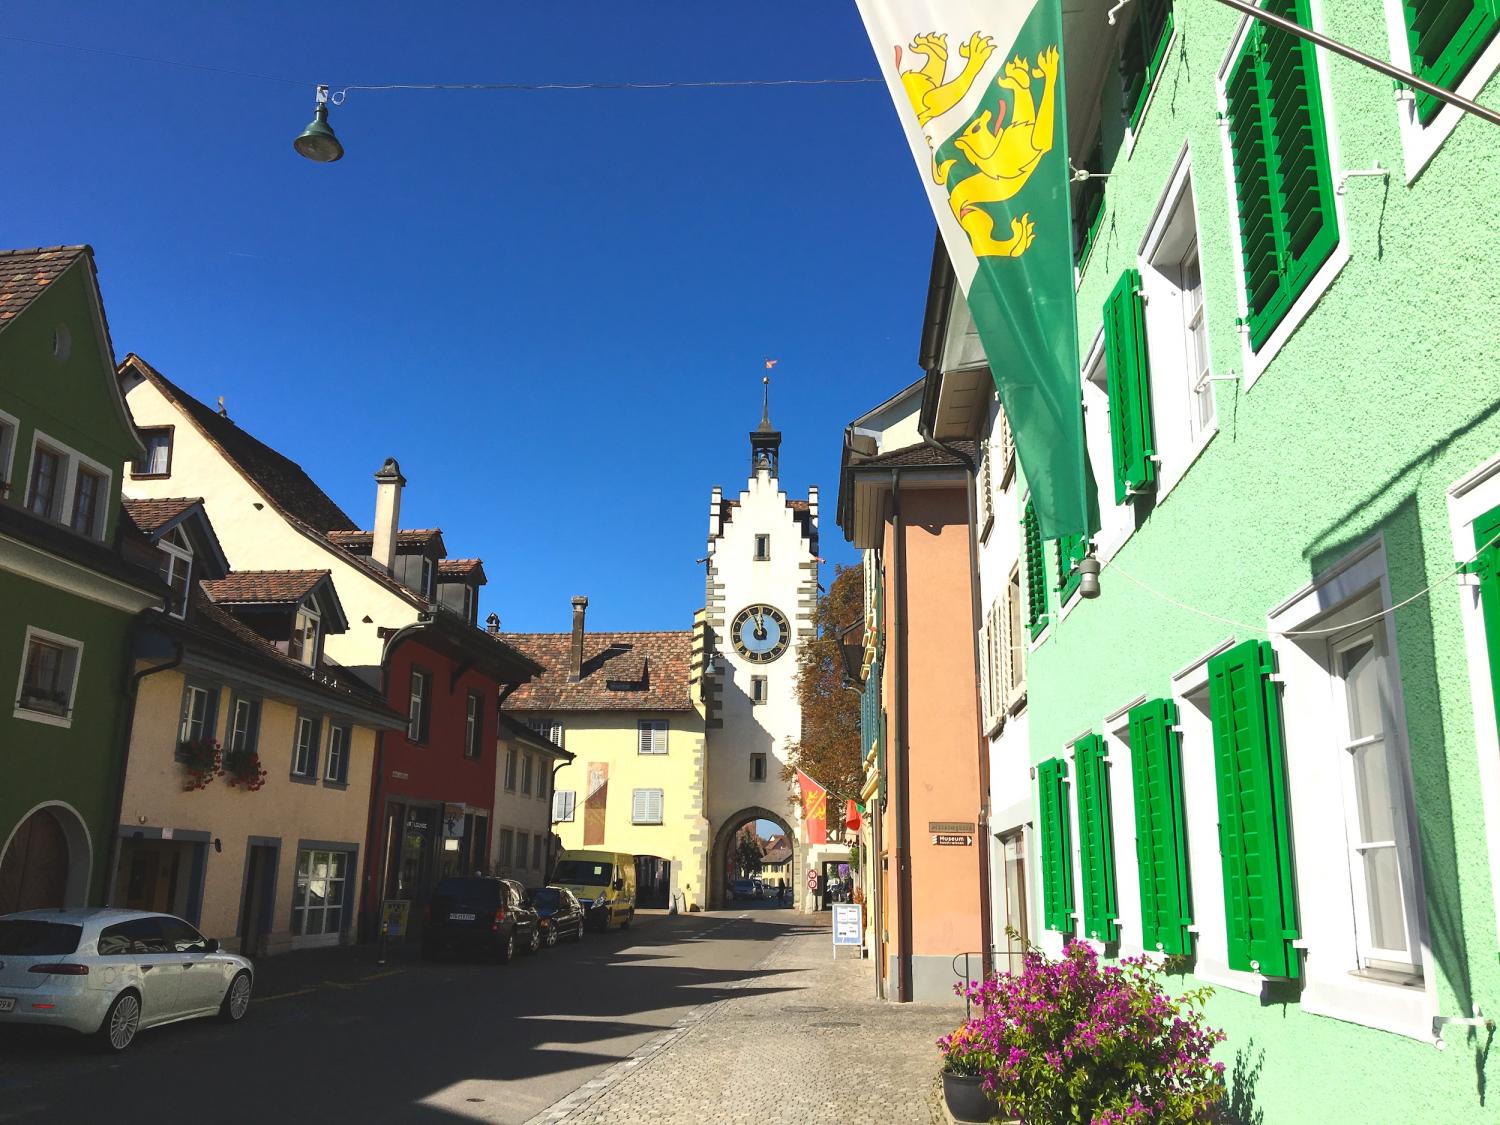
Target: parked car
[
  {"x": 561, "y": 914},
  {"x": 603, "y": 883},
  {"x": 110, "y": 973},
  {"x": 479, "y": 913},
  {"x": 742, "y": 888},
  {"x": 760, "y": 889}
]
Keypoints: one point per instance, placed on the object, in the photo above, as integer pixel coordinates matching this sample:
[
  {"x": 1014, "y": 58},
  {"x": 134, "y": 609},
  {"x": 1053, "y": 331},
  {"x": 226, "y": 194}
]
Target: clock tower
[{"x": 762, "y": 590}]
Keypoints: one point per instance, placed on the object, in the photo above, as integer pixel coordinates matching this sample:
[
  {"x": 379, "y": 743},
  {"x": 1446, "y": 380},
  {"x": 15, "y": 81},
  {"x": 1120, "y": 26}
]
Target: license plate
[
  {"x": 460, "y": 917},
  {"x": 7, "y": 1003}
]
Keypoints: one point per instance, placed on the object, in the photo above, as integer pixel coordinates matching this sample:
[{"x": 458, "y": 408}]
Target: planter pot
[{"x": 966, "y": 1098}]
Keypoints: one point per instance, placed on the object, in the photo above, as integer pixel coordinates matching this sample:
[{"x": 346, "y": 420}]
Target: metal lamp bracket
[
  {"x": 1375, "y": 170},
  {"x": 1478, "y": 1020},
  {"x": 1118, "y": 5}
]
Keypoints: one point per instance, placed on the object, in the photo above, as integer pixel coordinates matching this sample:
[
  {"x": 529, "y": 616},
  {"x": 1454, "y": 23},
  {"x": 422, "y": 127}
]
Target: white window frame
[
  {"x": 641, "y": 814},
  {"x": 984, "y": 486},
  {"x": 71, "y": 459},
  {"x": 550, "y": 729},
  {"x": 46, "y": 718},
  {"x": 307, "y": 654},
  {"x": 1006, "y": 444},
  {"x": 651, "y": 737},
  {"x": 10, "y": 430},
  {"x": 1420, "y": 143},
  {"x": 473, "y": 720},
  {"x": 1116, "y": 521},
  {"x": 60, "y": 490},
  {"x": 81, "y": 467},
  {"x": 338, "y": 753},
  {"x": 1256, "y": 362},
  {"x": 235, "y": 733},
  {"x": 417, "y": 703},
  {"x": 760, "y": 689},
  {"x": 305, "y": 752},
  {"x": 1470, "y": 497},
  {"x": 178, "y": 556},
  {"x": 210, "y": 696},
  {"x": 1150, "y": 93},
  {"x": 564, "y": 805},
  {"x": 1334, "y": 983},
  {"x": 1013, "y": 650},
  {"x": 300, "y": 914},
  {"x": 428, "y": 573},
  {"x": 762, "y": 541}
]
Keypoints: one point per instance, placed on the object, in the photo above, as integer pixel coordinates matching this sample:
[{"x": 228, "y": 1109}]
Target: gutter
[
  {"x": 902, "y": 842},
  {"x": 925, "y": 419}
]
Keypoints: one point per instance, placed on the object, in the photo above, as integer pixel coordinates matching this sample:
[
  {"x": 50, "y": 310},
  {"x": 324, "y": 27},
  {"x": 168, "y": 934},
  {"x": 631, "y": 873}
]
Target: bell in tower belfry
[{"x": 765, "y": 442}]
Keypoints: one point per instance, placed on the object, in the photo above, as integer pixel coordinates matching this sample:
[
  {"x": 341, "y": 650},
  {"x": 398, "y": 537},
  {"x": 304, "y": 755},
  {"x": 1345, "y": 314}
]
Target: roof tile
[
  {"x": 263, "y": 587},
  {"x": 25, "y": 273},
  {"x": 665, "y": 660},
  {"x": 152, "y": 514}
]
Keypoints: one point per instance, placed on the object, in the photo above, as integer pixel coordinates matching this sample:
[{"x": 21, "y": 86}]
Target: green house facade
[
  {"x": 68, "y": 593},
  {"x": 1269, "y": 747}
]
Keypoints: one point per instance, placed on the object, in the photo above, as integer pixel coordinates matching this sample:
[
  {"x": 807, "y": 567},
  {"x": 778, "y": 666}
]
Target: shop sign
[
  {"x": 394, "y": 914},
  {"x": 846, "y": 923},
  {"x": 952, "y": 840}
]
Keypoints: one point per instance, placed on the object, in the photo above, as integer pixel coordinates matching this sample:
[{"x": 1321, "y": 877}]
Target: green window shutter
[
  {"x": 1096, "y": 840},
  {"x": 1487, "y": 566},
  {"x": 1036, "y": 572},
  {"x": 1160, "y": 827},
  {"x": 1057, "y": 845},
  {"x": 1283, "y": 181},
  {"x": 1260, "y": 906},
  {"x": 1071, "y": 550},
  {"x": 1446, "y": 36},
  {"x": 1088, "y": 203},
  {"x": 1129, "y": 373},
  {"x": 1142, "y": 54}
]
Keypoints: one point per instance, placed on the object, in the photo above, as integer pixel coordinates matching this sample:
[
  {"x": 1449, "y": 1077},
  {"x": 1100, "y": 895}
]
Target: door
[
  {"x": 255, "y": 913},
  {"x": 200, "y": 974},
  {"x": 34, "y": 869},
  {"x": 140, "y": 947}
]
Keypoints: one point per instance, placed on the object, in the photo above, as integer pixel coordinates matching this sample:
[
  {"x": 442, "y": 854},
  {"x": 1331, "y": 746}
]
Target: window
[
  {"x": 1036, "y": 577},
  {"x": 303, "y": 643},
  {"x": 1381, "y": 863},
  {"x": 989, "y": 700},
  {"x": 536, "y": 852},
  {"x": 645, "y": 806},
  {"x": 1160, "y": 827},
  {"x": 1446, "y": 37},
  {"x": 757, "y": 767},
  {"x": 1088, "y": 202},
  {"x": 1260, "y": 903},
  {"x": 651, "y": 736},
  {"x": 181, "y": 937},
  {"x": 337, "y": 770},
  {"x": 1057, "y": 845},
  {"x": 550, "y": 729},
  {"x": 200, "y": 706},
  {"x": 563, "y": 803},
  {"x": 758, "y": 688},
  {"x": 427, "y": 577},
  {"x": 1142, "y": 54},
  {"x": 762, "y": 548},
  {"x": 244, "y": 726},
  {"x": 469, "y": 607},
  {"x": 7, "y": 454},
  {"x": 318, "y": 897},
  {"x": 474, "y": 725},
  {"x": 1282, "y": 180},
  {"x": 89, "y": 490},
  {"x": 416, "y": 715},
  {"x": 528, "y": 764},
  {"x": 176, "y": 569},
  {"x": 1013, "y": 644},
  {"x": 510, "y": 766},
  {"x": 1195, "y": 340},
  {"x": 49, "y": 676},
  {"x": 44, "y": 486},
  {"x": 1071, "y": 550},
  {"x": 305, "y": 747},
  {"x": 503, "y": 852},
  {"x": 1096, "y": 845},
  {"x": 1005, "y": 443},
  {"x": 157, "y": 460}
]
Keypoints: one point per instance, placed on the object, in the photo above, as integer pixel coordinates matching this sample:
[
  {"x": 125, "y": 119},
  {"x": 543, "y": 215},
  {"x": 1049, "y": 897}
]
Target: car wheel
[
  {"x": 120, "y": 1024},
  {"x": 536, "y": 941},
  {"x": 551, "y": 936},
  {"x": 581, "y": 927},
  {"x": 508, "y": 950},
  {"x": 236, "y": 999},
  {"x": 629, "y": 918}
]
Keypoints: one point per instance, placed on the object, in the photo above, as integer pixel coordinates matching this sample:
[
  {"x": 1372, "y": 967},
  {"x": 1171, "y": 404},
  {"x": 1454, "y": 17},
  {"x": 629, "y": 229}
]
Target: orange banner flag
[{"x": 814, "y": 809}]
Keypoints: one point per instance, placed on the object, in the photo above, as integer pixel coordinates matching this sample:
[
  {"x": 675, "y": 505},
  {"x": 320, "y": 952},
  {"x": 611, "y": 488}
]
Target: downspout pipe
[
  {"x": 132, "y": 691},
  {"x": 902, "y": 848},
  {"x": 925, "y": 419}
]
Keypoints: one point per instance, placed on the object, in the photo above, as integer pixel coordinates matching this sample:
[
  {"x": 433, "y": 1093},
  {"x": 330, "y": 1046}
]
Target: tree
[
  {"x": 830, "y": 750},
  {"x": 748, "y": 851}
]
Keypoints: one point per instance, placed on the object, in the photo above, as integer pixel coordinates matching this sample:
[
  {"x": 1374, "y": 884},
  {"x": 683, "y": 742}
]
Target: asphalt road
[{"x": 334, "y": 1038}]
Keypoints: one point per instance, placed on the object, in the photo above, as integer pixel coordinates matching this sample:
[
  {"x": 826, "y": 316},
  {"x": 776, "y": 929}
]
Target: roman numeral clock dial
[{"x": 761, "y": 633}]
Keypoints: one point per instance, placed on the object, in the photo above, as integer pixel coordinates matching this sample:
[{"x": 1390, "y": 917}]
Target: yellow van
[{"x": 604, "y": 882}]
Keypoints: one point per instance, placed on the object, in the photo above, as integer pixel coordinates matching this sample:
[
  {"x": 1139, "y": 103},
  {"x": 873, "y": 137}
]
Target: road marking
[
  {"x": 383, "y": 974},
  {"x": 344, "y": 984},
  {"x": 286, "y": 995}
]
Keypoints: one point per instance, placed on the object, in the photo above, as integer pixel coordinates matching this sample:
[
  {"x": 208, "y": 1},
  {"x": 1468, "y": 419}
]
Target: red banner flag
[
  {"x": 814, "y": 809},
  {"x": 852, "y": 819}
]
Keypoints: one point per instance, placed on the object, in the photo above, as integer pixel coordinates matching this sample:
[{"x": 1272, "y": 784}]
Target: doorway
[
  {"x": 653, "y": 882},
  {"x": 1015, "y": 932},
  {"x": 160, "y": 876},
  {"x": 34, "y": 869},
  {"x": 259, "y": 905}
]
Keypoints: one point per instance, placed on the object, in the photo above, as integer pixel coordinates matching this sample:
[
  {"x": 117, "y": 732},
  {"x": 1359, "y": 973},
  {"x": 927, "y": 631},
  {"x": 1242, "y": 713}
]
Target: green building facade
[
  {"x": 68, "y": 593},
  {"x": 1270, "y": 745}
]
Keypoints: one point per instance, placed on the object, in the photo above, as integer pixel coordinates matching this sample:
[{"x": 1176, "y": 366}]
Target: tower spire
[
  {"x": 765, "y": 440},
  {"x": 765, "y": 410}
]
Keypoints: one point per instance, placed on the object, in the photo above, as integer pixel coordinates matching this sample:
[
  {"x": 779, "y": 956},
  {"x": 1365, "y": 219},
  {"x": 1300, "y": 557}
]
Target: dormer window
[
  {"x": 157, "y": 460},
  {"x": 303, "y": 643},
  {"x": 469, "y": 607},
  {"x": 176, "y": 569},
  {"x": 428, "y": 590}
]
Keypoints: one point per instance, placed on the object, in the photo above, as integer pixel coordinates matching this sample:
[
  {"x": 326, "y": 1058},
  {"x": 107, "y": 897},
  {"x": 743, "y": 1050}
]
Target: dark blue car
[{"x": 561, "y": 914}]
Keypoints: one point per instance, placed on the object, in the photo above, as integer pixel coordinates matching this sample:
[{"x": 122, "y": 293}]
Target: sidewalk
[{"x": 807, "y": 1042}]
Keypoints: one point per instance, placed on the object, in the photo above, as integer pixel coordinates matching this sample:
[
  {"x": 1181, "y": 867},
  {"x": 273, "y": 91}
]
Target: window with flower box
[{"x": 49, "y": 677}]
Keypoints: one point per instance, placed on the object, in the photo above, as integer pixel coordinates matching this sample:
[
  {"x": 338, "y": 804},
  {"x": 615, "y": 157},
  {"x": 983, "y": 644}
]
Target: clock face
[{"x": 761, "y": 633}]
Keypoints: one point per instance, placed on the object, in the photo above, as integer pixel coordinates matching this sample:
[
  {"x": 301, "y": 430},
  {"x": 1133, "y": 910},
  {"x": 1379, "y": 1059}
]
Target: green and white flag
[{"x": 979, "y": 90}]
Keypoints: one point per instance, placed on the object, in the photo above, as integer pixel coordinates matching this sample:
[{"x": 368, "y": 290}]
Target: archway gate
[{"x": 724, "y": 835}]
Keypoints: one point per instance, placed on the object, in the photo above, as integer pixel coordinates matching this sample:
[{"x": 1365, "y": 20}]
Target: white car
[{"x": 110, "y": 972}]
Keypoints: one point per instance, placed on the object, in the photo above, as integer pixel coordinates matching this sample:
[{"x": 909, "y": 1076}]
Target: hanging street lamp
[{"x": 317, "y": 141}]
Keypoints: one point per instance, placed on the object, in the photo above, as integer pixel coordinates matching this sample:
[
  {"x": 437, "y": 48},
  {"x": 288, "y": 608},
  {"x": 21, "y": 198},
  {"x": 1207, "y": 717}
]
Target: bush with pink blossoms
[{"x": 1072, "y": 1040}]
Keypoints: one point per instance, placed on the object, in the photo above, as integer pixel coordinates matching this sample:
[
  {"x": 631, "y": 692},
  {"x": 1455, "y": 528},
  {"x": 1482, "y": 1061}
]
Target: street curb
[{"x": 571, "y": 1105}]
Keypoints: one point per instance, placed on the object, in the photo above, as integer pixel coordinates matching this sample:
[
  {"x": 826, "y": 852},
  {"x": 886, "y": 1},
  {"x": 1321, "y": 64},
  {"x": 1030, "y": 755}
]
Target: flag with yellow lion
[{"x": 979, "y": 91}]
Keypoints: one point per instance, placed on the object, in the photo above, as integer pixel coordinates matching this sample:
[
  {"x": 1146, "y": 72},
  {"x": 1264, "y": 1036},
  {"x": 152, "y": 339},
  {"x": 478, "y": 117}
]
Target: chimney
[
  {"x": 575, "y": 671},
  {"x": 388, "y": 485},
  {"x": 492, "y": 624}
]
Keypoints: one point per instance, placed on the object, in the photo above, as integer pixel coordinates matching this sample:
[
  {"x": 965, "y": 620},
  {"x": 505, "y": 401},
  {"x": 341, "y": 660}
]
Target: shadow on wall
[{"x": 1244, "y": 1077}]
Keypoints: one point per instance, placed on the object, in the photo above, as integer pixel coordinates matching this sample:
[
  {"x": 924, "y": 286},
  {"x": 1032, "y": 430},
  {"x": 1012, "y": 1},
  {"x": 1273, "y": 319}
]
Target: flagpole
[{"x": 1473, "y": 108}]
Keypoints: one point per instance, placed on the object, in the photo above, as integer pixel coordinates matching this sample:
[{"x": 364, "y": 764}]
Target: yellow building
[
  {"x": 625, "y": 706},
  {"x": 231, "y": 689}
]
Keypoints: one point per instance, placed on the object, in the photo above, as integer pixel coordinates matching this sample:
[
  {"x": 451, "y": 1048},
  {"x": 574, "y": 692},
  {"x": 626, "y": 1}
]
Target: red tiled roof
[
  {"x": 666, "y": 658},
  {"x": 459, "y": 566},
  {"x": 25, "y": 273},
  {"x": 263, "y": 587},
  {"x": 406, "y": 537},
  {"x": 152, "y": 514}
]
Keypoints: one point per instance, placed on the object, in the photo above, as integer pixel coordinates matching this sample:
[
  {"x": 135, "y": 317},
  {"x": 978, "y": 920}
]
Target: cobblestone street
[{"x": 813, "y": 1045}]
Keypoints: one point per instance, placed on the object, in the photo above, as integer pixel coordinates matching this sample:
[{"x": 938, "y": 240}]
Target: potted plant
[
  {"x": 1071, "y": 1040},
  {"x": 200, "y": 762},
  {"x": 967, "y": 1063},
  {"x": 242, "y": 768}
]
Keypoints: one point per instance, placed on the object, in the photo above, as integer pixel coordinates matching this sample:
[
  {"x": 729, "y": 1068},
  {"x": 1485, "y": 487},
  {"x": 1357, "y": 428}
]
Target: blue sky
[{"x": 551, "y": 307}]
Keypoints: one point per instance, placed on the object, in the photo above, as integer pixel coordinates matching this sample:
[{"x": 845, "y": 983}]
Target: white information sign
[{"x": 846, "y": 924}]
